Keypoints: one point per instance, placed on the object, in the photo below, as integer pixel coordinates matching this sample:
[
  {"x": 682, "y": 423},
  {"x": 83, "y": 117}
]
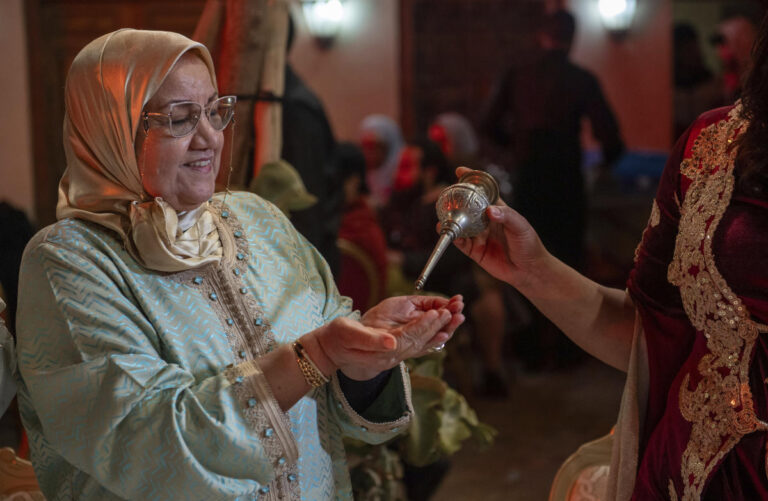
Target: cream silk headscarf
[{"x": 108, "y": 84}]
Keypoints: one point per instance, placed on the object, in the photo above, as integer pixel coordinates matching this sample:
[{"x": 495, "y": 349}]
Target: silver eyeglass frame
[{"x": 203, "y": 110}]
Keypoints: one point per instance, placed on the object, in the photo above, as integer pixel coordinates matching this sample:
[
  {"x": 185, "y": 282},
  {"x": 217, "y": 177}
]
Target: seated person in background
[
  {"x": 409, "y": 220},
  {"x": 17, "y": 229},
  {"x": 489, "y": 311},
  {"x": 382, "y": 142},
  {"x": 457, "y": 139},
  {"x": 278, "y": 182},
  {"x": 174, "y": 343},
  {"x": 360, "y": 232},
  {"x": 7, "y": 365}
]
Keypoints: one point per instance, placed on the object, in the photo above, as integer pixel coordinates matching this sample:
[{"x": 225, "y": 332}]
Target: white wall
[
  {"x": 635, "y": 72},
  {"x": 16, "y": 186},
  {"x": 359, "y": 74}
]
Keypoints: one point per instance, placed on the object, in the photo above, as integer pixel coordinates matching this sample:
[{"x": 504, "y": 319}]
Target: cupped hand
[
  {"x": 396, "y": 329},
  {"x": 509, "y": 249},
  {"x": 360, "y": 352},
  {"x": 405, "y": 317}
]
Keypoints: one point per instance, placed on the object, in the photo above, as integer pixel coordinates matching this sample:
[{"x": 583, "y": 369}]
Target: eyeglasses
[{"x": 184, "y": 117}]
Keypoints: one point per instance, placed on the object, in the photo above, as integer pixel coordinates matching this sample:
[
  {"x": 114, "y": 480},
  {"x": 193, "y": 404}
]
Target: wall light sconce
[
  {"x": 324, "y": 20},
  {"x": 617, "y": 15}
]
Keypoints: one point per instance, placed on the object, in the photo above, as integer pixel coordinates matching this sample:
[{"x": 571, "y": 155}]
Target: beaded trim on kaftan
[
  {"x": 720, "y": 406},
  {"x": 250, "y": 336}
]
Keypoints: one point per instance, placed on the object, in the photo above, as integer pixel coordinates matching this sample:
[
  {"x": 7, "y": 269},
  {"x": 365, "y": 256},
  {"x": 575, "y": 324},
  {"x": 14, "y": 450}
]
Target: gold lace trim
[
  {"x": 720, "y": 407},
  {"x": 672, "y": 491},
  {"x": 653, "y": 221},
  {"x": 250, "y": 336},
  {"x": 248, "y": 382}
]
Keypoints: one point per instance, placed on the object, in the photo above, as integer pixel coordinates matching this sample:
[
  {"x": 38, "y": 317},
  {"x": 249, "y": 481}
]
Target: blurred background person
[
  {"x": 382, "y": 142},
  {"x": 696, "y": 87},
  {"x": 497, "y": 309},
  {"x": 281, "y": 184},
  {"x": 308, "y": 145},
  {"x": 17, "y": 231},
  {"x": 733, "y": 40},
  {"x": 409, "y": 220},
  {"x": 536, "y": 111},
  {"x": 363, "y": 270},
  {"x": 457, "y": 139}
]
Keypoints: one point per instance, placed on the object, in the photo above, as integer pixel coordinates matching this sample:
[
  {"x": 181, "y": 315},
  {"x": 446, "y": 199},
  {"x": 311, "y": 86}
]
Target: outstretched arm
[{"x": 597, "y": 318}]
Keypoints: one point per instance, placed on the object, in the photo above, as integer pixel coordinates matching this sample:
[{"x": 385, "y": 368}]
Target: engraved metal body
[{"x": 461, "y": 212}]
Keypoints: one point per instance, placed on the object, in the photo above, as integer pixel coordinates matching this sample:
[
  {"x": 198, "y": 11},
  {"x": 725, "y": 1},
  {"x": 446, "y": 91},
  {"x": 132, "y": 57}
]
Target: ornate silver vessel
[{"x": 461, "y": 212}]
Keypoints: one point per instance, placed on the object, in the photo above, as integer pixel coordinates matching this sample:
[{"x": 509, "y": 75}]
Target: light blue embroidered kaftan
[{"x": 136, "y": 384}]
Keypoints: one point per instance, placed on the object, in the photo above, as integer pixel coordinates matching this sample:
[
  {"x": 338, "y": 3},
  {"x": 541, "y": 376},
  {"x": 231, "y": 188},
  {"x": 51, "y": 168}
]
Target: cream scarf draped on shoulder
[{"x": 108, "y": 84}]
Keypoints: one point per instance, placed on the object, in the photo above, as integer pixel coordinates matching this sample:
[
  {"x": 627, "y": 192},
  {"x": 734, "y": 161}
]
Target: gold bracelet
[{"x": 314, "y": 377}]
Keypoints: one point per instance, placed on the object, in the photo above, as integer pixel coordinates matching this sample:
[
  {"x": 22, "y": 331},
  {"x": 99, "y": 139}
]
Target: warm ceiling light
[
  {"x": 617, "y": 15},
  {"x": 324, "y": 19}
]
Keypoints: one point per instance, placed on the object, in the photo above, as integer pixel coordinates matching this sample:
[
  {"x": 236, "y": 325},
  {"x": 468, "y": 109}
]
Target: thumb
[
  {"x": 508, "y": 218},
  {"x": 374, "y": 340},
  {"x": 460, "y": 171}
]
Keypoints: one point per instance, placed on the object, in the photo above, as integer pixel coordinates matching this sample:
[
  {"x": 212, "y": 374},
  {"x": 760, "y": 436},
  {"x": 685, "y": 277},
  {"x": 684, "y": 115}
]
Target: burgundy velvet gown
[{"x": 700, "y": 284}]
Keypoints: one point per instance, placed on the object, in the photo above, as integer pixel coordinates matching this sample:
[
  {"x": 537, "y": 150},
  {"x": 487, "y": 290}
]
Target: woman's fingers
[
  {"x": 425, "y": 303},
  {"x": 422, "y": 329},
  {"x": 437, "y": 340},
  {"x": 456, "y": 304},
  {"x": 455, "y": 322},
  {"x": 360, "y": 349}
]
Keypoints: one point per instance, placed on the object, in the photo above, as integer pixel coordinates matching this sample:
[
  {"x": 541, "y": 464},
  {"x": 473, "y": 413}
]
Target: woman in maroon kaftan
[
  {"x": 692, "y": 327},
  {"x": 700, "y": 286}
]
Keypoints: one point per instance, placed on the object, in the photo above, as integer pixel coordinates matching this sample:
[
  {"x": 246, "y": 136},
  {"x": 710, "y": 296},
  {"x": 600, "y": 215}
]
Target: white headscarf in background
[
  {"x": 463, "y": 144},
  {"x": 108, "y": 84},
  {"x": 380, "y": 180}
]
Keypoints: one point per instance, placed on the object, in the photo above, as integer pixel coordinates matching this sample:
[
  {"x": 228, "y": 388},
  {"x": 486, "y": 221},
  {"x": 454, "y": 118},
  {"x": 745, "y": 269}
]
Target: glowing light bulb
[
  {"x": 324, "y": 19},
  {"x": 612, "y": 8},
  {"x": 617, "y": 14},
  {"x": 332, "y": 10}
]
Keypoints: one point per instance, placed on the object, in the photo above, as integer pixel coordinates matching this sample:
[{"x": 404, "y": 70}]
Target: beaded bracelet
[{"x": 314, "y": 377}]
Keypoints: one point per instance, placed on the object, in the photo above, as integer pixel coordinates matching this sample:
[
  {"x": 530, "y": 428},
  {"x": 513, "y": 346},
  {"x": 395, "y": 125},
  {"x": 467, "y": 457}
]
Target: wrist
[
  {"x": 315, "y": 351},
  {"x": 537, "y": 276}
]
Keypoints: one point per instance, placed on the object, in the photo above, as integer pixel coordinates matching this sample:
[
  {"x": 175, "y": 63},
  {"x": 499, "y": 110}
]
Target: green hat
[{"x": 281, "y": 184}]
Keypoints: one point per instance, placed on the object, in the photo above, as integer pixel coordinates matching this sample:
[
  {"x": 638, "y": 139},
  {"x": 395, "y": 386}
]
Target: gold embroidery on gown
[
  {"x": 719, "y": 407},
  {"x": 653, "y": 221}
]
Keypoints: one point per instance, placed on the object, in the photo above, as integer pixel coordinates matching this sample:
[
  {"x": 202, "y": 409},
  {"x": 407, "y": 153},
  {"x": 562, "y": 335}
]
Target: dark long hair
[{"x": 752, "y": 161}]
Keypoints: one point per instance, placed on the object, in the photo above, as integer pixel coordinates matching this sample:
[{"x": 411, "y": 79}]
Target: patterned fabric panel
[{"x": 122, "y": 370}]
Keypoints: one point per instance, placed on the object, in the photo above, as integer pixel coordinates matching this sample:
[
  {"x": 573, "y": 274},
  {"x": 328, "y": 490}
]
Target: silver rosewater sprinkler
[{"x": 461, "y": 212}]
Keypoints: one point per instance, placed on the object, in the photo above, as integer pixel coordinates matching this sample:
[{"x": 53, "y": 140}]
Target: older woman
[{"x": 176, "y": 344}]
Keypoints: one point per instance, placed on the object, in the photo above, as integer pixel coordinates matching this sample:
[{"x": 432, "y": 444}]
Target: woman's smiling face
[{"x": 181, "y": 170}]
